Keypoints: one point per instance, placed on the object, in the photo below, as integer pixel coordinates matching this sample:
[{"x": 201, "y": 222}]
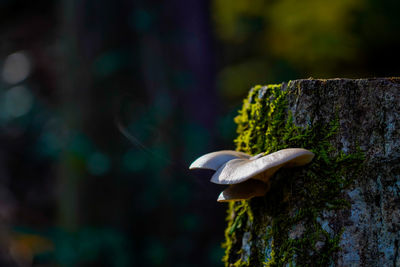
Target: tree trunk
[{"x": 343, "y": 209}]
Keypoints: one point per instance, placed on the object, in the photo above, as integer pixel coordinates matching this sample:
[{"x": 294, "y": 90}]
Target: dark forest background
[{"x": 104, "y": 104}]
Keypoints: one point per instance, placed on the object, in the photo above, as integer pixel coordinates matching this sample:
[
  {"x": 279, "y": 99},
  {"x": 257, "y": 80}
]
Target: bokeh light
[
  {"x": 16, "y": 101},
  {"x": 16, "y": 68}
]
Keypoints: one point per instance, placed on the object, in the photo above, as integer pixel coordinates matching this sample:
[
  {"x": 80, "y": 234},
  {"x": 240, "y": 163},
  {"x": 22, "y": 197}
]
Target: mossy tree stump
[{"x": 343, "y": 209}]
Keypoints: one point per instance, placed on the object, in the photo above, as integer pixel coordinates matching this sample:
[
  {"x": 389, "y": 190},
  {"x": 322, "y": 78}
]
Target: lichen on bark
[{"x": 308, "y": 217}]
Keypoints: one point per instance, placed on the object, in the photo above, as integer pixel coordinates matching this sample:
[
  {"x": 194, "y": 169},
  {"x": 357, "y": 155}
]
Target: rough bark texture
[{"x": 344, "y": 208}]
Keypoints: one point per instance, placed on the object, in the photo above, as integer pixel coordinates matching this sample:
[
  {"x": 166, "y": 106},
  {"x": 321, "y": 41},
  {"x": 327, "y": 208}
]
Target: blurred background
[{"x": 104, "y": 104}]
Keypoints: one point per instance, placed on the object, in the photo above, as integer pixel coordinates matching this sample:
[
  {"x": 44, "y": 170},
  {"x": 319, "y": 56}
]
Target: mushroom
[
  {"x": 245, "y": 190},
  {"x": 215, "y": 160},
  {"x": 249, "y": 176}
]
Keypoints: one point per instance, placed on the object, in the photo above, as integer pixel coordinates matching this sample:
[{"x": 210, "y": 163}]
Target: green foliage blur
[{"x": 274, "y": 41}]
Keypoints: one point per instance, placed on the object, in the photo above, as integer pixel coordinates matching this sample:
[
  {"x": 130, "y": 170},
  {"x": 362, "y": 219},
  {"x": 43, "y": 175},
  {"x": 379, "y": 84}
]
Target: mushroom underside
[{"x": 242, "y": 191}]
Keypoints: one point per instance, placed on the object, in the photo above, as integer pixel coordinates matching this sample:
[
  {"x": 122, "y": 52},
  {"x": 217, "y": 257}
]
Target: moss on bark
[{"x": 300, "y": 222}]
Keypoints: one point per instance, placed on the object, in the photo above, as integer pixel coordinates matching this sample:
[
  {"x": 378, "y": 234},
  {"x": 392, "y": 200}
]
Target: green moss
[
  {"x": 239, "y": 214},
  {"x": 266, "y": 125}
]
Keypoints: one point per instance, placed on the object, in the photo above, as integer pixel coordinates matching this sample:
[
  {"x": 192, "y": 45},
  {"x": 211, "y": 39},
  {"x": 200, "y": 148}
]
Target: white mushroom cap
[
  {"x": 261, "y": 168},
  {"x": 215, "y": 160},
  {"x": 246, "y": 190}
]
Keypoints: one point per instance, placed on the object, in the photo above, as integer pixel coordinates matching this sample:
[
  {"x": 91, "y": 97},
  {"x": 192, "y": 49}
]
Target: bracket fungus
[{"x": 249, "y": 176}]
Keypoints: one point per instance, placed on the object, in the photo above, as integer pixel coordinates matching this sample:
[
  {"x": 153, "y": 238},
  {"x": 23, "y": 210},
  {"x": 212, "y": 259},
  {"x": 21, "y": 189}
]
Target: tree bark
[{"x": 343, "y": 209}]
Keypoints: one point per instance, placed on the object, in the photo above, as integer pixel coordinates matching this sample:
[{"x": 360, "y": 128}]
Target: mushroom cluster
[{"x": 248, "y": 176}]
